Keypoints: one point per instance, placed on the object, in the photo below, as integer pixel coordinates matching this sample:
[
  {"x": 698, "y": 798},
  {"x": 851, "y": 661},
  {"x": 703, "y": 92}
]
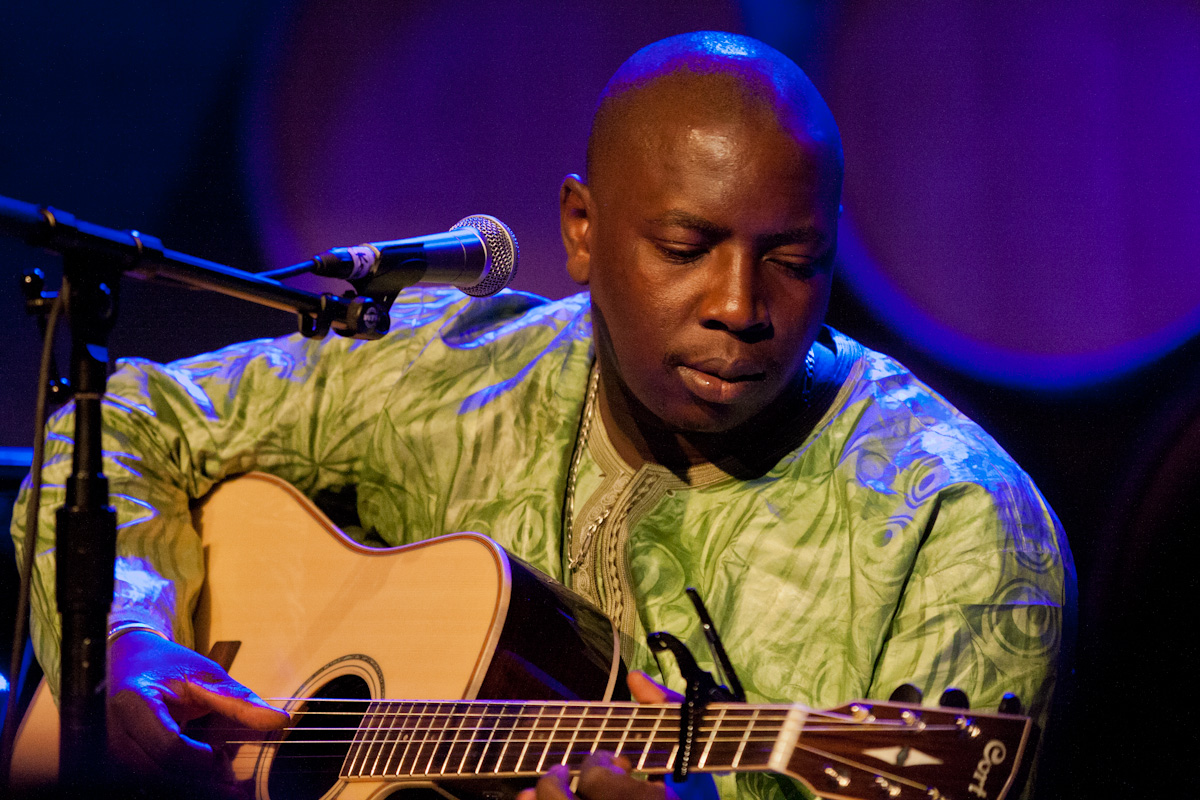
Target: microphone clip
[{"x": 352, "y": 315}]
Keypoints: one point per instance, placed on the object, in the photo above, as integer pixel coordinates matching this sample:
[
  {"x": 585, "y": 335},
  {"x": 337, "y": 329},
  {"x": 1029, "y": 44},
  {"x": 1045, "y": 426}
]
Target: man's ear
[{"x": 575, "y": 211}]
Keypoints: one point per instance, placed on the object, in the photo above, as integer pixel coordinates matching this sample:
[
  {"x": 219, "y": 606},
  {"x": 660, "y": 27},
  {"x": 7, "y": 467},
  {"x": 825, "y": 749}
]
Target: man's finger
[
  {"x": 645, "y": 690},
  {"x": 145, "y": 738},
  {"x": 555, "y": 784},
  {"x": 231, "y": 699},
  {"x": 603, "y": 778}
]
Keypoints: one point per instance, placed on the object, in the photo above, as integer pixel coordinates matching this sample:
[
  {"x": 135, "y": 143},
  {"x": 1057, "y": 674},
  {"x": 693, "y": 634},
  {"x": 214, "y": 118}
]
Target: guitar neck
[
  {"x": 856, "y": 751},
  {"x": 448, "y": 740}
]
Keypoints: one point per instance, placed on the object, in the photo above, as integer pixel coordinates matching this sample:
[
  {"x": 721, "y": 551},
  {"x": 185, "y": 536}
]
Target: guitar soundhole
[{"x": 309, "y": 758}]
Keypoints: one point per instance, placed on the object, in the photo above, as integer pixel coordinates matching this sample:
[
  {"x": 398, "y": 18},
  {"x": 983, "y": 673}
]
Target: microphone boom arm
[{"x": 144, "y": 257}]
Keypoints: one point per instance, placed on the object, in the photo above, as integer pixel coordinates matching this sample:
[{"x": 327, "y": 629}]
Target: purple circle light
[
  {"x": 1023, "y": 182},
  {"x": 378, "y": 120}
]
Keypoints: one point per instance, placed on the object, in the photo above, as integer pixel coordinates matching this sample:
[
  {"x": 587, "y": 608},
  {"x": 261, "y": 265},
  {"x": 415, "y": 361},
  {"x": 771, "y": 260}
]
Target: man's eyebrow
[
  {"x": 683, "y": 219},
  {"x": 804, "y": 235}
]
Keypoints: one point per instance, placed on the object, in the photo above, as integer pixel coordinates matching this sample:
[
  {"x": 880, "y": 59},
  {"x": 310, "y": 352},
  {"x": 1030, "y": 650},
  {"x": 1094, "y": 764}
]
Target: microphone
[{"x": 478, "y": 255}]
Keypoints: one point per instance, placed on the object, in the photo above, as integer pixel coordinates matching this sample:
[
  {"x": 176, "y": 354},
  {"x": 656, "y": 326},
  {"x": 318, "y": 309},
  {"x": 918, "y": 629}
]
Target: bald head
[{"x": 695, "y": 78}]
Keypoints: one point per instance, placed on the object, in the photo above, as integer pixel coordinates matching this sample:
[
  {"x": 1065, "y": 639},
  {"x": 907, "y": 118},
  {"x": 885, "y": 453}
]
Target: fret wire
[
  {"x": 438, "y": 723},
  {"x": 381, "y": 739},
  {"x": 399, "y": 733},
  {"x": 521, "y": 718},
  {"x": 445, "y": 729},
  {"x": 549, "y": 743},
  {"x": 495, "y": 719},
  {"x": 474, "y": 717},
  {"x": 362, "y": 741},
  {"x": 600, "y": 729},
  {"x": 418, "y": 740},
  {"x": 673, "y": 738},
  {"x": 575, "y": 735},
  {"x": 403, "y": 734},
  {"x": 624, "y": 734},
  {"x": 532, "y": 729},
  {"x": 737, "y": 759},
  {"x": 359, "y": 733},
  {"x": 489, "y": 720},
  {"x": 427, "y": 734},
  {"x": 395, "y": 765},
  {"x": 650, "y": 740},
  {"x": 451, "y": 729},
  {"x": 442, "y": 726},
  {"x": 420, "y": 737},
  {"x": 712, "y": 737},
  {"x": 472, "y": 728},
  {"x": 507, "y": 741},
  {"x": 484, "y": 714}
]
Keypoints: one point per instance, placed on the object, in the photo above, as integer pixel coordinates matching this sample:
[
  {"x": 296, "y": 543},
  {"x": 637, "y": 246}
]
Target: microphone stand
[{"x": 94, "y": 260}]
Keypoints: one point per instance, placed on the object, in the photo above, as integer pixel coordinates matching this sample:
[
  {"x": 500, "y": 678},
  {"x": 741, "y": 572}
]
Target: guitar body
[
  {"x": 300, "y": 610},
  {"x": 382, "y": 657}
]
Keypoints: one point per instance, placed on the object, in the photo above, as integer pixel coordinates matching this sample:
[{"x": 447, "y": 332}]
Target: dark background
[{"x": 1022, "y": 228}]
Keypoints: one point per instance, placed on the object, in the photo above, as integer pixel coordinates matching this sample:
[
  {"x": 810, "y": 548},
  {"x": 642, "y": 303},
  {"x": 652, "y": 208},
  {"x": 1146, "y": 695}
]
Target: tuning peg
[
  {"x": 954, "y": 698},
  {"x": 1010, "y": 704},
  {"x": 908, "y": 694}
]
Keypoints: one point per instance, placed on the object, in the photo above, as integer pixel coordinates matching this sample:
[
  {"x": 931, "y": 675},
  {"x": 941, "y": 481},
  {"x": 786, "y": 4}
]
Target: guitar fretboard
[{"x": 446, "y": 740}]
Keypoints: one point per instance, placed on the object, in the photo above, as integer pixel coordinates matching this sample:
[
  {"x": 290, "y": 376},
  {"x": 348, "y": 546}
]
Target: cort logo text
[{"x": 994, "y": 752}]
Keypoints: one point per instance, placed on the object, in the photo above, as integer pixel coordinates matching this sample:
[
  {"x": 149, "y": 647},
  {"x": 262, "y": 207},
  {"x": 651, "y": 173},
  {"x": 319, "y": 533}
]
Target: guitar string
[
  {"x": 454, "y": 742},
  {"x": 453, "y": 736},
  {"x": 653, "y": 769},
  {"x": 482, "y": 707},
  {"x": 376, "y": 724},
  {"x": 461, "y": 707},
  {"x": 450, "y": 741}
]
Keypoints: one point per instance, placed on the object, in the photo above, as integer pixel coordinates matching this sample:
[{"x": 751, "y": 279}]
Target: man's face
[{"x": 708, "y": 253}]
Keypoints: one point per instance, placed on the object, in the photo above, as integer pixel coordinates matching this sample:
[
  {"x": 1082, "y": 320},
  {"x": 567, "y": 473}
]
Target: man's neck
[
  {"x": 636, "y": 442},
  {"x": 639, "y": 440}
]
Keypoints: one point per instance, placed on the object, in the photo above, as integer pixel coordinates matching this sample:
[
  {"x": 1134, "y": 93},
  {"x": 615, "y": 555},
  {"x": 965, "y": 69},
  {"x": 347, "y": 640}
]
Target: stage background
[{"x": 1022, "y": 227}]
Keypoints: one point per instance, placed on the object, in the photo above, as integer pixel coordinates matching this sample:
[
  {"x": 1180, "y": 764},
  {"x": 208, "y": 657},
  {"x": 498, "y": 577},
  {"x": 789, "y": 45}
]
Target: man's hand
[
  {"x": 156, "y": 687},
  {"x": 604, "y": 777}
]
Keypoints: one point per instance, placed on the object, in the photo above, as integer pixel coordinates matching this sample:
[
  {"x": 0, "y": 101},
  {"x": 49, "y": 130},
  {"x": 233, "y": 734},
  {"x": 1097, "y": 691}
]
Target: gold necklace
[
  {"x": 581, "y": 439},
  {"x": 575, "y": 561}
]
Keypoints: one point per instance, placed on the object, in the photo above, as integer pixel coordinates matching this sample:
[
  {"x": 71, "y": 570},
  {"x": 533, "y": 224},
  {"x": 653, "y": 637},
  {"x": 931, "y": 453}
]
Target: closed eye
[
  {"x": 800, "y": 269},
  {"x": 680, "y": 254}
]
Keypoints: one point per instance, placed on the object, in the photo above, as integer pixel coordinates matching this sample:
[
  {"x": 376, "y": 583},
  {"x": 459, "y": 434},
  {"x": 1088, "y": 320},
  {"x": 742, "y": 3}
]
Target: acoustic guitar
[{"x": 502, "y": 672}]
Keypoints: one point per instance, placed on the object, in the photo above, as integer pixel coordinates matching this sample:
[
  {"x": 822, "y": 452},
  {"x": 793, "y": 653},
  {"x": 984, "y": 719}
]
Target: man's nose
[{"x": 734, "y": 298}]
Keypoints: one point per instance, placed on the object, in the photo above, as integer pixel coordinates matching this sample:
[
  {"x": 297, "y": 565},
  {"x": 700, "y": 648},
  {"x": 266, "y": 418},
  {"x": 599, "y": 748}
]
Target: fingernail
[{"x": 560, "y": 772}]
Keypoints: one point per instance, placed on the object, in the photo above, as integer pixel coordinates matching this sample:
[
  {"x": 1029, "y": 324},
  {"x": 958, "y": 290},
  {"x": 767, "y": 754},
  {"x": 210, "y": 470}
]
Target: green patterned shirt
[{"x": 890, "y": 540}]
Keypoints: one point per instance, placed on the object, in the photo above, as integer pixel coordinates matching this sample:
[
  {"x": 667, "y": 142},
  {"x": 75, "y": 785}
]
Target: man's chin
[{"x": 710, "y": 419}]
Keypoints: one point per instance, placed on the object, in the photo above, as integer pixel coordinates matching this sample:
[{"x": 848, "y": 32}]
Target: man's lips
[{"x": 721, "y": 381}]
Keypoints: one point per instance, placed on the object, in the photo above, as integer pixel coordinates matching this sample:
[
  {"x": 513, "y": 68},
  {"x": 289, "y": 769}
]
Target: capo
[
  {"x": 702, "y": 689},
  {"x": 720, "y": 659}
]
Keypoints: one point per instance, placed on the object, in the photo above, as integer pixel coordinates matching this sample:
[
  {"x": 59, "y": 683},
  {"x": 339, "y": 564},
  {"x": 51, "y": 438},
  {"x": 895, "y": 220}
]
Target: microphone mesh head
[{"x": 502, "y": 254}]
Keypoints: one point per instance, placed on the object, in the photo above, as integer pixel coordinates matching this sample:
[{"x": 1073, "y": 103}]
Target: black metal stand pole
[
  {"x": 87, "y": 527},
  {"x": 94, "y": 259}
]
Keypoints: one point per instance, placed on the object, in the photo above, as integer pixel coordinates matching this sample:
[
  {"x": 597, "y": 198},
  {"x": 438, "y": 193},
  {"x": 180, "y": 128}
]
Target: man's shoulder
[
  {"x": 896, "y": 437},
  {"x": 464, "y": 321},
  {"x": 884, "y": 411}
]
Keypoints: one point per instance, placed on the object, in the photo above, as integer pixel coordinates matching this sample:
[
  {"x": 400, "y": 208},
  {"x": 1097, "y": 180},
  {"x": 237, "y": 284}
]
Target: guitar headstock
[{"x": 871, "y": 750}]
